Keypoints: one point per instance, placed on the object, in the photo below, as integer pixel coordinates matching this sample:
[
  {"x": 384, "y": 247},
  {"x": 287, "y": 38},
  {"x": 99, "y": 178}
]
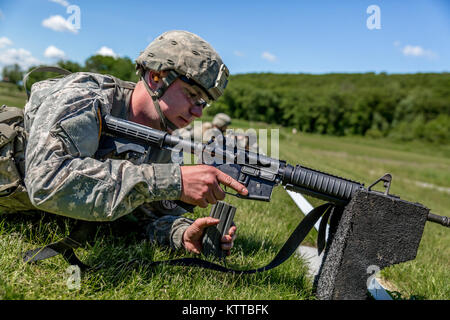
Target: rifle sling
[
  {"x": 54, "y": 69},
  {"x": 66, "y": 246},
  {"x": 81, "y": 233},
  {"x": 299, "y": 234}
]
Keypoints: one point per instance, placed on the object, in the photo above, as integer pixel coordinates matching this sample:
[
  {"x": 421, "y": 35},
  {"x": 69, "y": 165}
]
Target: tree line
[
  {"x": 399, "y": 106},
  {"x": 122, "y": 68}
]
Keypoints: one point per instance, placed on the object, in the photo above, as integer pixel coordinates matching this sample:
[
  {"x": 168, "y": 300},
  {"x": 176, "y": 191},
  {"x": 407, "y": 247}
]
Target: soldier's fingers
[
  {"x": 227, "y": 245},
  {"x": 226, "y": 239},
  {"x": 219, "y": 194},
  {"x": 202, "y": 223},
  {"x": 232, "y": 231},
  {"x": 210, "y": 197},
  {"x": 202, "y": 203},
  {"x": 230, "y": 182}
]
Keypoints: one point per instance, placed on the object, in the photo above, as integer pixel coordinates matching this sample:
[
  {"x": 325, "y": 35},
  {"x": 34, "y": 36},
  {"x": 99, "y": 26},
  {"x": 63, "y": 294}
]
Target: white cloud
[
  {"x": 53, "y": 52},
  {"x": 268, "y": 56},
  {"x": 417, "y": 51},
  {"x": 22, "y": 57},
  {"x": 64, "y": 3},
  {"x": 58, "y": 23},
  {"x": 4, "y": 42},
  {"x": 105, "y": 51},
  {"x": 1, "y": 15},
  {"x": 397, "y": 43},
  {"x": 238, "y": 53}
]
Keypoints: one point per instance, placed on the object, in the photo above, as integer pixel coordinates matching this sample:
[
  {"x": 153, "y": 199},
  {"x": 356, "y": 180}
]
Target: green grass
[
  {"x": 48, "y": 279},
  {"x": 11, "y": 95},
  {"x": 421, "y": 173}
]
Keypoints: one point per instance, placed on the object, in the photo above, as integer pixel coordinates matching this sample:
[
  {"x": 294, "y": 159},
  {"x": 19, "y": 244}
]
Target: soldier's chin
[
  {"x": 181, "y": 123},
  {"x": 178, "y": 123}
]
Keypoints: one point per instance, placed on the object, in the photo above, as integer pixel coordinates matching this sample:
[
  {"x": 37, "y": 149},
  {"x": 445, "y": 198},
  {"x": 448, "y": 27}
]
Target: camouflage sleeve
[
  {"x": 63, "y": 178},
  {"x": 163, "y": 225},
  {"x": 168, "y": 230}
]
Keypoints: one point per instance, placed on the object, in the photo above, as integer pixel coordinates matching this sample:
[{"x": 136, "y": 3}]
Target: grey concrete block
[{"x": 372, "y": 230}]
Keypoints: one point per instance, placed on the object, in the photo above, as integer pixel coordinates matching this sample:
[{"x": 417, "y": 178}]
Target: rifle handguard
[{"x": 319, "y": 184}]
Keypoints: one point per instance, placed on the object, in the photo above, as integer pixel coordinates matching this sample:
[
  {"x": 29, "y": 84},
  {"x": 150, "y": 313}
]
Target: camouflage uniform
[
  {"x": 67, "y": 175},
  {"x": 184, "y": 133},
  {"x": 197, "y": 133},
  {"x": 212, "y": 133}
]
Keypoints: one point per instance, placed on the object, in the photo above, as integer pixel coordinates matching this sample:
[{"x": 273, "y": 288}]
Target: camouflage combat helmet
[
  {"x": 183, "y": 54},
  {"x": 188, "y": 55}
]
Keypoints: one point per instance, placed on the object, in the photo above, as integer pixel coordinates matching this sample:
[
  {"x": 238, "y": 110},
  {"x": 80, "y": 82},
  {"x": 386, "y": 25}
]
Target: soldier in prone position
[{"x": 73, "y": 170}]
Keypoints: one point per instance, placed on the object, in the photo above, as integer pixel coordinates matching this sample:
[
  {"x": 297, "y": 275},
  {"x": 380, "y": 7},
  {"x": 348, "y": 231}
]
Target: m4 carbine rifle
[{"x": 259, "y": 173}]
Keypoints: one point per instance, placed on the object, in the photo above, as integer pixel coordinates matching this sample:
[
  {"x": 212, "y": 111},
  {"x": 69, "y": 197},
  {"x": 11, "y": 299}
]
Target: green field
[
  {"x": 11, "y": 95},
  {"x": 421, "y": 173}
]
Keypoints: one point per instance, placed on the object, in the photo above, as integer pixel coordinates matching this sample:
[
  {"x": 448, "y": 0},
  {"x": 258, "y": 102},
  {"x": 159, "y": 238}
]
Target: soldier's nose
[{"x": 196, "y": 111}]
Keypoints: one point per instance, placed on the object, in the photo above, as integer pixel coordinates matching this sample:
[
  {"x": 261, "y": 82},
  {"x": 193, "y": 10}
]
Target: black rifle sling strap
[
  {"x": 61, "y": 71},
  {"x": 81, "y": 233},
  {"x": 84, "y": 231},
  {"x": 295, "y": 239}
]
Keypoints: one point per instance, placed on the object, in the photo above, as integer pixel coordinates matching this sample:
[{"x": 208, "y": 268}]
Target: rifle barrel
[{"x": 442, "y": 220}]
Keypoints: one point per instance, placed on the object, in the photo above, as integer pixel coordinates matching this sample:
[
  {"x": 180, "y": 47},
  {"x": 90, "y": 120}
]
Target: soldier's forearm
[{"x": 92, "y": 190}]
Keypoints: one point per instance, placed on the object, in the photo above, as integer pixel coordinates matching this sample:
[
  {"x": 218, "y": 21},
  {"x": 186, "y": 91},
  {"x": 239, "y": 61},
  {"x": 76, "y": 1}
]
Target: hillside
[{"x": 404, "y": 107}]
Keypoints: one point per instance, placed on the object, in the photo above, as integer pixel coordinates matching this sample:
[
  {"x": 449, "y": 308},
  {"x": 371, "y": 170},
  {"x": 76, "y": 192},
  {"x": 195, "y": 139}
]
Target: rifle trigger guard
[{"x": 387, "y": 179}]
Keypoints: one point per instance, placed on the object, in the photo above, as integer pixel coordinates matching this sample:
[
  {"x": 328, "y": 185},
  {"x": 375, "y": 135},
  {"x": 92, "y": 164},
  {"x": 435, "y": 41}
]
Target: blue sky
[{"x": 251, "y": 36}]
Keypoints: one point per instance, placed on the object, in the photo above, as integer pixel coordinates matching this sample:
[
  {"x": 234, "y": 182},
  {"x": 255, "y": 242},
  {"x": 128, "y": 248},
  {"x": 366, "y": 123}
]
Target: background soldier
[{"x": 220, "y": 123}]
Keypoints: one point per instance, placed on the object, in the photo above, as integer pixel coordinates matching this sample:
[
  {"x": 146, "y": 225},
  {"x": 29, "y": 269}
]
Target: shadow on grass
[
  {"x": 35, "y": 226},
  {"x": 39, "y": 227}
]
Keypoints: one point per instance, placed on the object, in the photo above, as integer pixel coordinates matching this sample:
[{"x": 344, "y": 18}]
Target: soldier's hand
[
  {"x": 200, "y": 185},
  {"x": 192, "y": 237}
]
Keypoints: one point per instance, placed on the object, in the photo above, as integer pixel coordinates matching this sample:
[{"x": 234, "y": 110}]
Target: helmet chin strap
[{"x": 164, "y": 123}]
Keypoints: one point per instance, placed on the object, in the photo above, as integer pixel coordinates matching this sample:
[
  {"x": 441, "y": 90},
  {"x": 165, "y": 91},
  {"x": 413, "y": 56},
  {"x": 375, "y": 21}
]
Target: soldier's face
[{"x": 180, "y": 103}]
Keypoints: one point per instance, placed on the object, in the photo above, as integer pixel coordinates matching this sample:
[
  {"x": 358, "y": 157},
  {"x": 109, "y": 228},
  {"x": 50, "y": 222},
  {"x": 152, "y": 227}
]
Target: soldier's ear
[{"x": 153, "y": 77}]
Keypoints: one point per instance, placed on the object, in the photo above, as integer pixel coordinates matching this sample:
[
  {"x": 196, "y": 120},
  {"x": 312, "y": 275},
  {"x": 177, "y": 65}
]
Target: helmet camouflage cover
[
  {"x": 188, "y": 55},
  {"x": 221, "y": 120}
]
